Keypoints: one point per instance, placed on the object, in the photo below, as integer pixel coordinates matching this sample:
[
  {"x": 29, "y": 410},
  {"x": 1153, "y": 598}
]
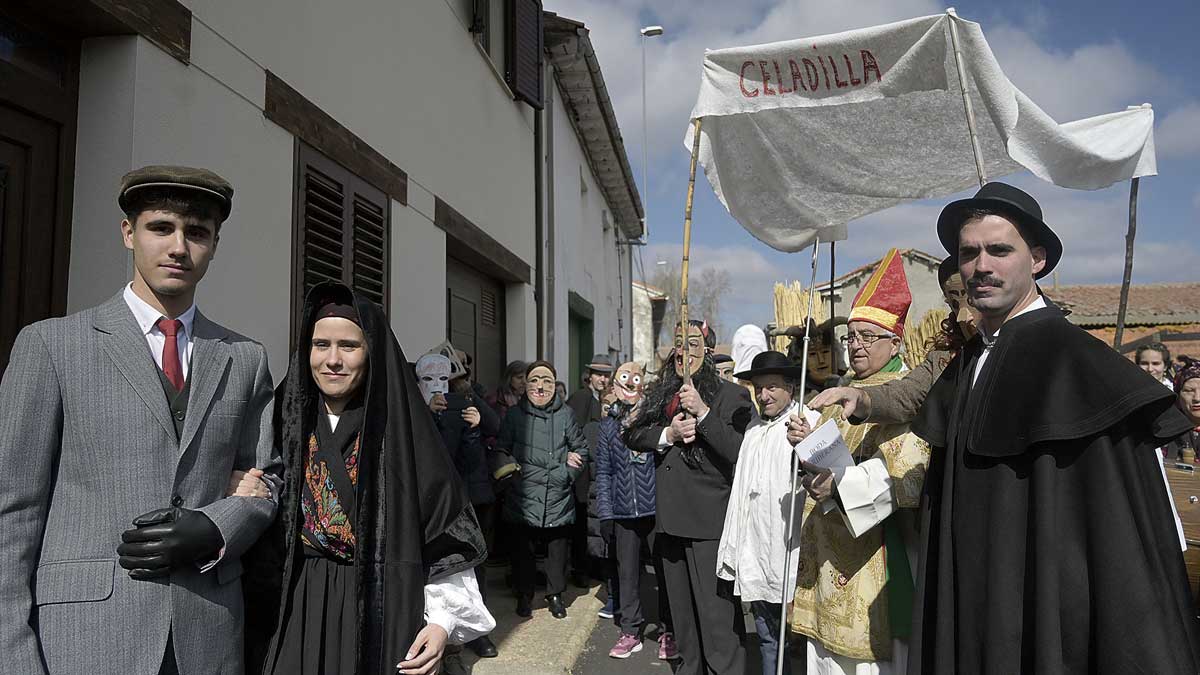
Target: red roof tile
[{"x": 1149, "y": 304}]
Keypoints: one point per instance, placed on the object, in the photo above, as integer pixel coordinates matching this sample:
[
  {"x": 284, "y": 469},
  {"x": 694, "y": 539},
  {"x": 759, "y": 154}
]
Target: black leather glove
[{"x": 165, "y": 539}]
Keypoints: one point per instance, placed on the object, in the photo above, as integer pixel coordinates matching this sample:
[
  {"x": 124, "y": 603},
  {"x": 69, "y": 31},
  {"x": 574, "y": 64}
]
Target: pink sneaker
[
  {"x": 667, "y": 651},
  {"x": 627, "y": 645}
]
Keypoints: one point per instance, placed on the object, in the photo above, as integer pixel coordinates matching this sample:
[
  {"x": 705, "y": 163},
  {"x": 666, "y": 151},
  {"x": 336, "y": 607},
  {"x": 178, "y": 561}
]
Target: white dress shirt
[
  {"x": 989, "y": 341},
  {"x": 147, "y": 317}
]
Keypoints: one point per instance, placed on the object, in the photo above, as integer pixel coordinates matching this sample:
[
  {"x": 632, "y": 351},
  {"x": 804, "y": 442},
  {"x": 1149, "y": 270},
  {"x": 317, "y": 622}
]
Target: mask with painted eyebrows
[
  {"x": 688, "y": 358},
  {"x": 627, "y": 383}
]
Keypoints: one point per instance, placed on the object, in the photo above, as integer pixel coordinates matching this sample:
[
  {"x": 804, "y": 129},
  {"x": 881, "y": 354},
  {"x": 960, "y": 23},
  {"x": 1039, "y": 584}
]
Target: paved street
[{"x": 595, "y": 660}]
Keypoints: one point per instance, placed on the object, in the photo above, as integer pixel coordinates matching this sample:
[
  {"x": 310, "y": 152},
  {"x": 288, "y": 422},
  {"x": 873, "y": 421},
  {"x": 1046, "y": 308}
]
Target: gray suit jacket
[{"x": 86, "y": 445}]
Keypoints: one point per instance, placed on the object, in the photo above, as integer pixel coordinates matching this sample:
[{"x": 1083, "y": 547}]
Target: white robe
[{"x": 754, "y": 539}]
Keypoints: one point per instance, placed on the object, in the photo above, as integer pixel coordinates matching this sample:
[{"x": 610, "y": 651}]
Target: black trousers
[
  {"x": 628, "y": 536},
  {"x": 708, "y": 626},
  {"x": 524, "y": 565},
  {"x": 581, "y": 562},
  {"x": 486, "y": 513}
]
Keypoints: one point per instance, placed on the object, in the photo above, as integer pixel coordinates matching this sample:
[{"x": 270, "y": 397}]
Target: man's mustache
[{"x": 984, "y": 280}]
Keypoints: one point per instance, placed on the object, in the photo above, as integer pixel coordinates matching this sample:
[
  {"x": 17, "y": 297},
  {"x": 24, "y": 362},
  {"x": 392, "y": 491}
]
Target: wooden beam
[
  {"x": 468, "y": 242},
  {"x": 304, "y": 119},
  {"x": 166, "y": 23}
]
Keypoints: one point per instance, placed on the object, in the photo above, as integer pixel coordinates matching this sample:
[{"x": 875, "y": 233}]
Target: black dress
[
  {"x": 404, "y": 513},
  {"x": 320, "y": 633}
]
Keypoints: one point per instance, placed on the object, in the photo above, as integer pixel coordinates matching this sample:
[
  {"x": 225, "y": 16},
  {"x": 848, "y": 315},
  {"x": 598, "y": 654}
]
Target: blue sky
[{"x": 1073, "y": 58}]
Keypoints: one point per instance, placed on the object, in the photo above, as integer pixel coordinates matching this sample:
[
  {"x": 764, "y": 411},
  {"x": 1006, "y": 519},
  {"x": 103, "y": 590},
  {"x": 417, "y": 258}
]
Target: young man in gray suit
[{"x": 121, "y": 427}]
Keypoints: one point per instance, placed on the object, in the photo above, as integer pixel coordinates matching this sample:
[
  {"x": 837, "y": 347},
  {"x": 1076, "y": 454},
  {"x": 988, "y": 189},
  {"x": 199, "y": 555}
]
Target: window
[
  {"x": 510, "y": 33},
  {"x": 341, "y": 230}
]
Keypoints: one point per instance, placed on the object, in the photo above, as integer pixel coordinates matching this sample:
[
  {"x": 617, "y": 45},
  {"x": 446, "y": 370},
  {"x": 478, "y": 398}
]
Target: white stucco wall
[
  {"x": 586, "y": 258},
  {"x": 140, "y": 106},
  {"x": 417, "y": 305},
  {"x": 403, "y": 76},
  {"x": 406, "y": 78}
]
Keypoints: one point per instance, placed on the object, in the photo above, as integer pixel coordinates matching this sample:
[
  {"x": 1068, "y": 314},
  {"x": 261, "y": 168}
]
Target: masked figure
[
  {"x": 625, "y": 500},
  {"x": 692, "y": 421},
  {"x": 543, "y": 438}
]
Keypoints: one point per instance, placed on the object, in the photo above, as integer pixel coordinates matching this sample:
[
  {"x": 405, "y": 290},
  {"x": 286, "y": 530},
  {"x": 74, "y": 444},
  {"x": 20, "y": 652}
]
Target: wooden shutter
[
  {"x": 341, "y": 231},
  {"x": 370, "y": 250},
  {"x": 487, "y": 307},
  {"x": 525, "y": 50}
]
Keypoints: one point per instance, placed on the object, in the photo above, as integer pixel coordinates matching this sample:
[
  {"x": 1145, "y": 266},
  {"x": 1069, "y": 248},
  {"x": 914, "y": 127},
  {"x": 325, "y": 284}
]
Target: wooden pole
[
  {"x": 1129, "y": 235},
  {"x": 966, "y": 97},
  {"x": 832, "y": 307},
  {"x": 786, "y": 595},
  {"x": 687, "y": 246}
]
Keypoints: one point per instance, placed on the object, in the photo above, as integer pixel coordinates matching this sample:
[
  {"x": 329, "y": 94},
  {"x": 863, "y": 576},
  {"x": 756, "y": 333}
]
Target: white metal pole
[
  {"x": 645, "y": 140},
  {"x": 966, "y": 97},
  {"x": 786, "y": 595}
]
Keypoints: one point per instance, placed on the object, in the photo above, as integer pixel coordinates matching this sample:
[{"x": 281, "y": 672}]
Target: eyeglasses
[{"x": 865, "y": 339}]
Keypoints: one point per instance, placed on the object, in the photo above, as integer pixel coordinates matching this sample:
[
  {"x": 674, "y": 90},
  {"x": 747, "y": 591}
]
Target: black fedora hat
[
  {"x": 771, "y": 363},
  {"x": 946, "y": 269},
  {"x": 1015, "y": 204}
]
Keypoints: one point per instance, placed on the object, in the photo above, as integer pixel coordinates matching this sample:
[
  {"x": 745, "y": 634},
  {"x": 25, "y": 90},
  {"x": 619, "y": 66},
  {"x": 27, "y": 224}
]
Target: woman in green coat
[{"x": 541, "y": 434}]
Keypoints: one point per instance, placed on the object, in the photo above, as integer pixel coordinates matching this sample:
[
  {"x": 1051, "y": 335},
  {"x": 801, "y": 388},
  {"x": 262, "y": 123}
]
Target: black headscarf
[{"x": 413, "y": 521}]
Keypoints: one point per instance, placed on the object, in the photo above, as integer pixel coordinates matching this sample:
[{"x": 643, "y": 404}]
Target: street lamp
[{"x": 647, "y": 32}]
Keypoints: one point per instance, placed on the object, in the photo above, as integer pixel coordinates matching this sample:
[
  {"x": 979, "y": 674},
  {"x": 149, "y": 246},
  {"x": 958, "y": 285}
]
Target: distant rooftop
[
  {"x": 1149, "y": 304},
  {"x": 912, "y": 253}
]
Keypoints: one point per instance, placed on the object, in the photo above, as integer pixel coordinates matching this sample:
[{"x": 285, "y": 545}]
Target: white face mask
[{"x": 433, "y": 375}]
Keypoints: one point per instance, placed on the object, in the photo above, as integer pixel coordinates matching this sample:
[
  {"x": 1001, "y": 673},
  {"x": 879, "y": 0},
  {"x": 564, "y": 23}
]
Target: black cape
[
  {"x": 1049, "y": 543},
  {"x": 413, "y": 521}
]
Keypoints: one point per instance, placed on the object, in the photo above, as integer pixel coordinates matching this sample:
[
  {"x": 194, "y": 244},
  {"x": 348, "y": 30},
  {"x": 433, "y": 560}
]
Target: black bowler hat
[
  {"x": 771, "y": 363},
  {"x": 1016, "y": 205},
  {"x": 721, "y": 358}
]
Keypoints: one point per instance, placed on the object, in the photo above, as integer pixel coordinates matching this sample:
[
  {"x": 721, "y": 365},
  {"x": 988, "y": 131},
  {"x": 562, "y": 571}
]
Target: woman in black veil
[{"x": 371, "y": 556}]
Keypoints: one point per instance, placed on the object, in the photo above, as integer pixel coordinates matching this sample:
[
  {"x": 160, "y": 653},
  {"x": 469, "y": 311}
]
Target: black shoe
[
  {"x": 483, "y": 647},
  {"x": 555, "y": 603},
  {"x": 524, "y": 606}
]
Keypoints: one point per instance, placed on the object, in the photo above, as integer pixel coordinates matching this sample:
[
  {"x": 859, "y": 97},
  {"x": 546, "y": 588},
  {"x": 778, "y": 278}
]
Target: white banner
[{"x": 800, "y": 137}]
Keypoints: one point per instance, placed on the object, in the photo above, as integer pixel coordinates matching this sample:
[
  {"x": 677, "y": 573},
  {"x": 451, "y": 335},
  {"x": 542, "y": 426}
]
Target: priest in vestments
[
  {"x": 858, "y": 541},
  {"x": 1049, "y": 544}
]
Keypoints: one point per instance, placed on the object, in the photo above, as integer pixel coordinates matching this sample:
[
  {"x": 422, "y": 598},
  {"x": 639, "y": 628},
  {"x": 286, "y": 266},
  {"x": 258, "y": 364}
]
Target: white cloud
[
  {"x": 753, "y": 272},
  {"x": 1072, "y": 84},
  {"x": 1178, "y": 134}
]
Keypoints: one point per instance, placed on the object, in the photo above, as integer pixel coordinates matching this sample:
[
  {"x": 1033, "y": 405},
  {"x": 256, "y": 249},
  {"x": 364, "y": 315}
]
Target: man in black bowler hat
[
  {"x": 1049, "y": 541},
  {"x": 122, "y": 426}
]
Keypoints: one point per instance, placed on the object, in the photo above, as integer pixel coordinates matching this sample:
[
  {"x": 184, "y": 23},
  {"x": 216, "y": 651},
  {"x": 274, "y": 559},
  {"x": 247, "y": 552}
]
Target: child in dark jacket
[{"x": 625, "y": 495}]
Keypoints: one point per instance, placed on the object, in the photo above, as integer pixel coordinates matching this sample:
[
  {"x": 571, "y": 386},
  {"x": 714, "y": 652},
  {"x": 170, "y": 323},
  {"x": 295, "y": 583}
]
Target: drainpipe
[
  {"x": 550, "y": 290},
  {"x": 539, "y": 283}
]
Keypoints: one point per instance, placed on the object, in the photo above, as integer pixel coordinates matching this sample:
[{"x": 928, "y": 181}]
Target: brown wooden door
[
  {"x": 475, "y": 319},
  {"x": 38, "y": 94}
]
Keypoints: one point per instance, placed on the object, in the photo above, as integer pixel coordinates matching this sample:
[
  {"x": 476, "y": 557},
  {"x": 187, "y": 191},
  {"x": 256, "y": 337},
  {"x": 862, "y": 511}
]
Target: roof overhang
[{"x": 585, "y": 96}]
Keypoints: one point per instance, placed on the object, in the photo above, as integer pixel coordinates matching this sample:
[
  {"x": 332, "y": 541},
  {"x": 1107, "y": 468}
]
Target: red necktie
[{"x": 170, "y": 355}]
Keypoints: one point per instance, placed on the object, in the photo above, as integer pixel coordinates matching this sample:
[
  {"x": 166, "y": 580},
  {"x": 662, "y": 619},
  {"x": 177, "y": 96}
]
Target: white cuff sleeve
[
  {"x": 866, "y": 495},
  {"x": 454, "y": 603},
  {"x": 663, "y": 443}
]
